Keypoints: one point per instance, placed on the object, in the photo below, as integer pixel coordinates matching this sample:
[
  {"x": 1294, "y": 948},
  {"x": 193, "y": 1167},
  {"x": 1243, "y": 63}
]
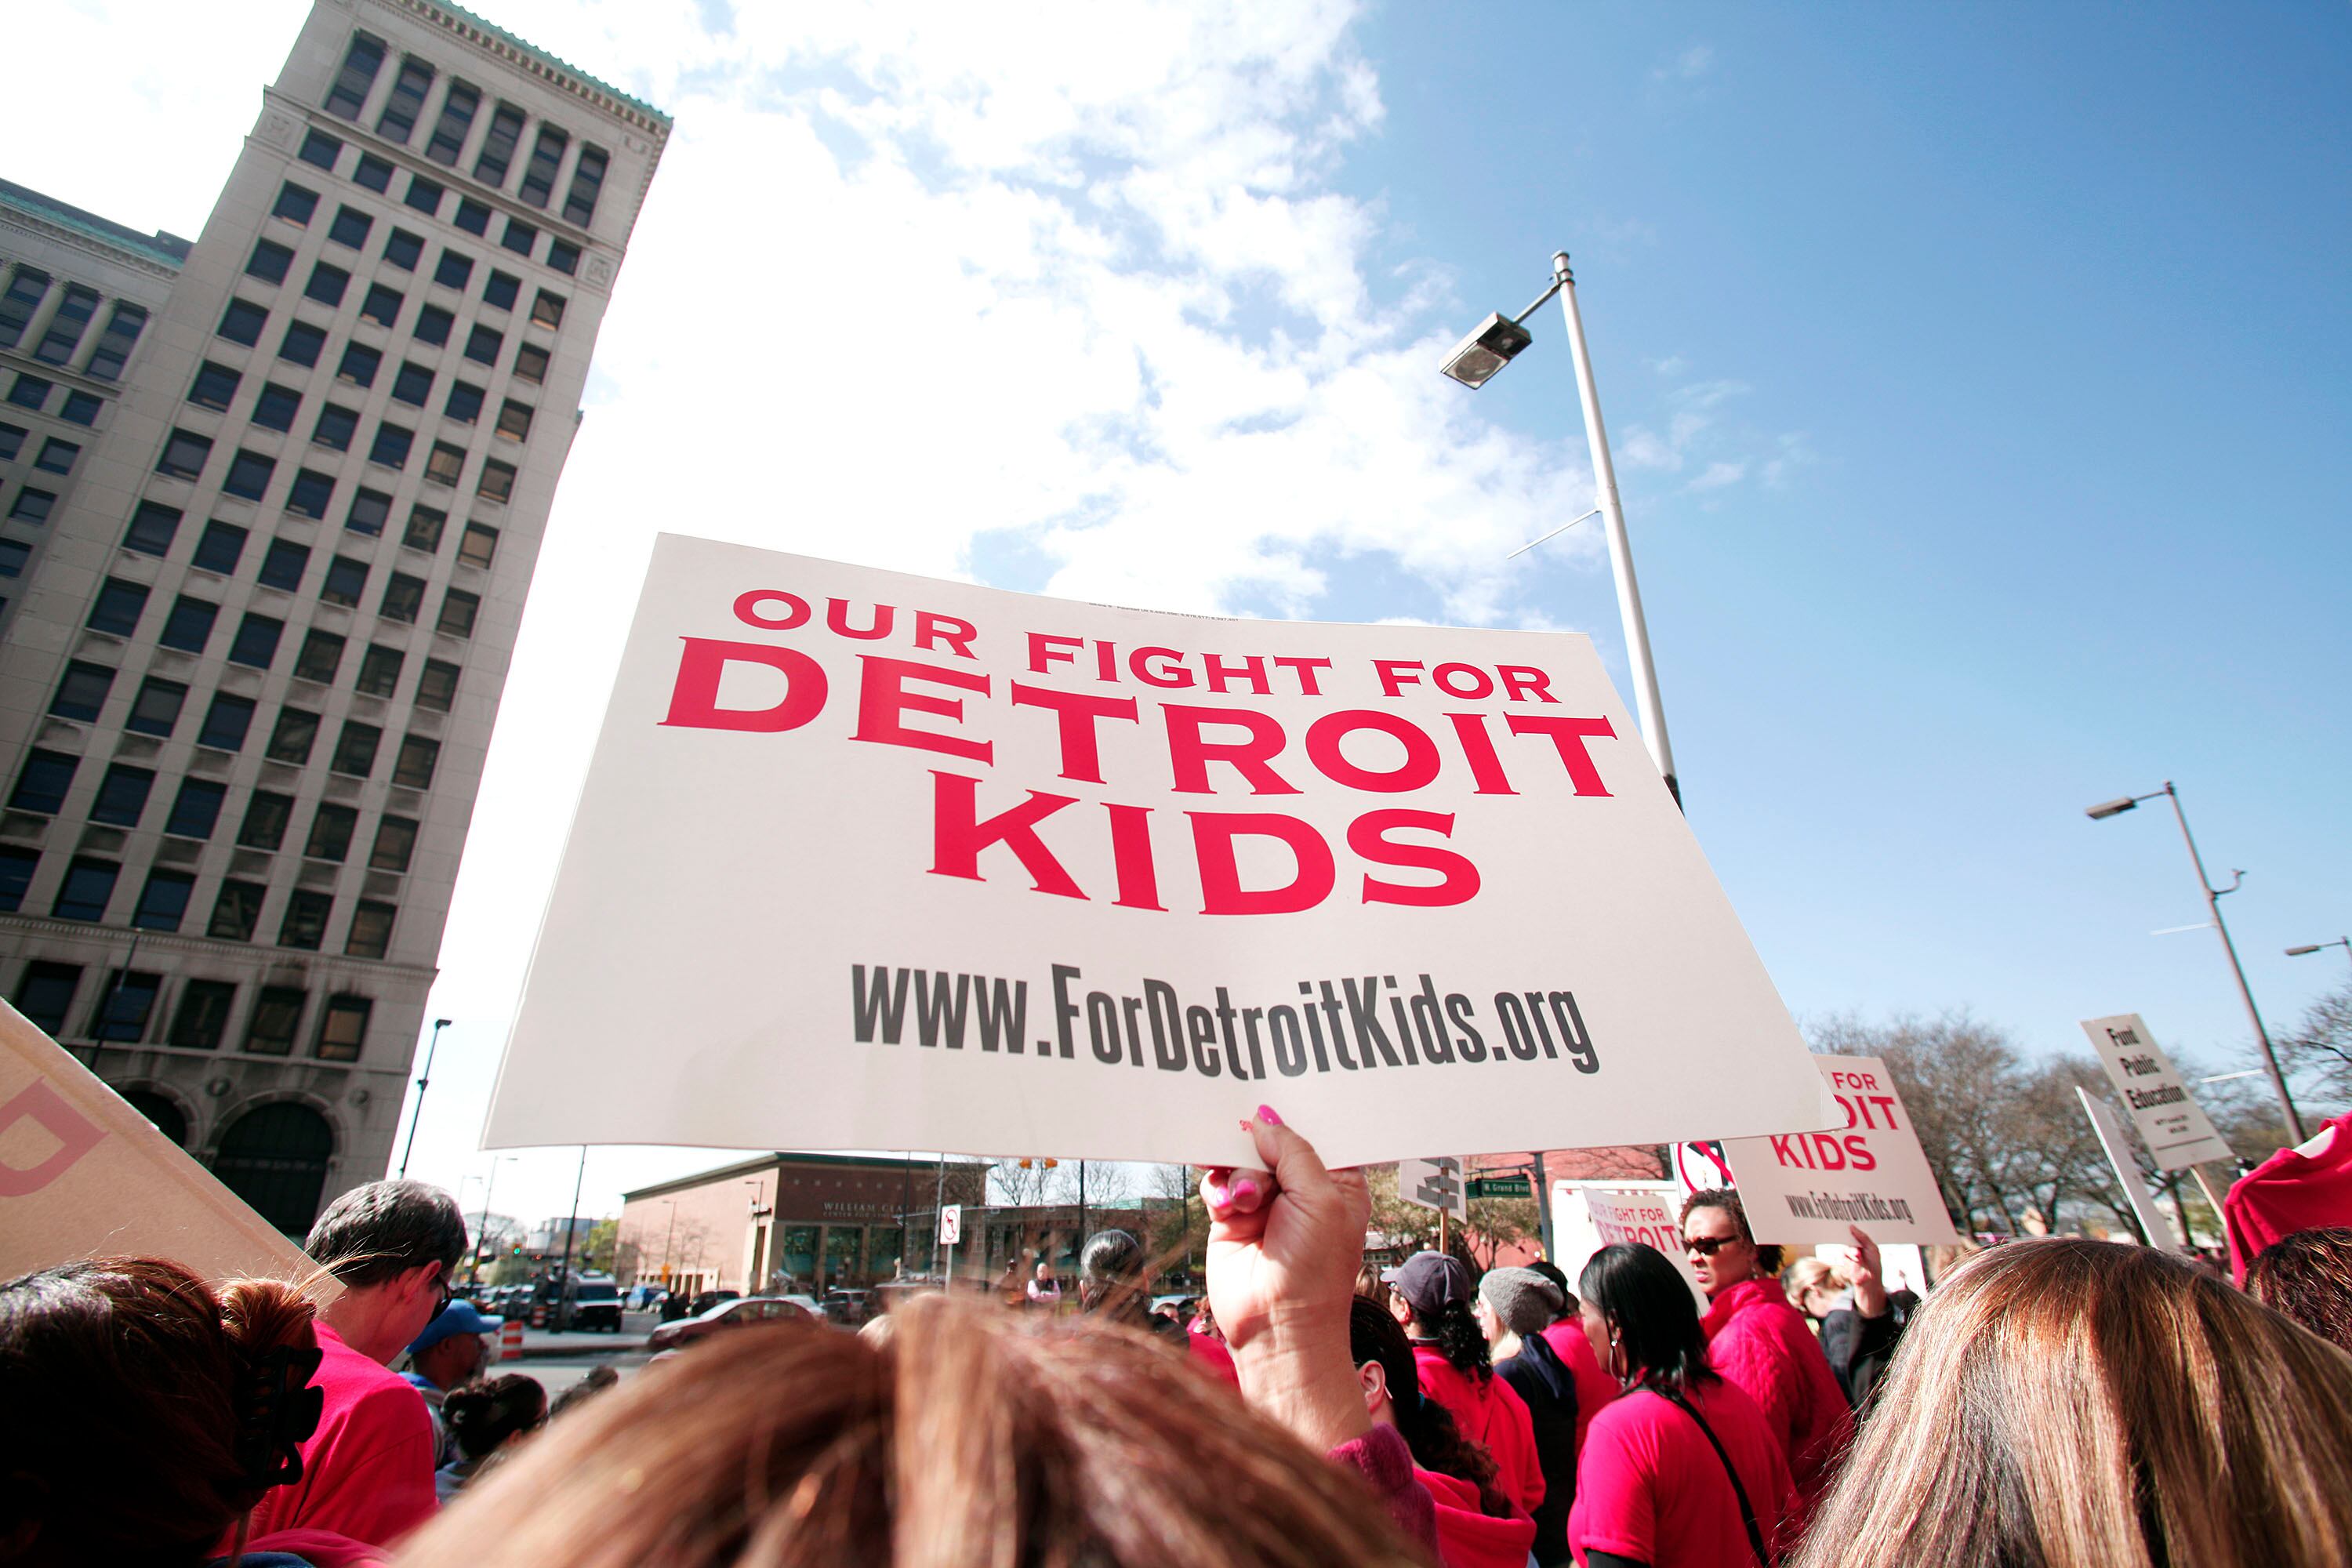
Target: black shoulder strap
[{"x": 1746, "y": 1510}]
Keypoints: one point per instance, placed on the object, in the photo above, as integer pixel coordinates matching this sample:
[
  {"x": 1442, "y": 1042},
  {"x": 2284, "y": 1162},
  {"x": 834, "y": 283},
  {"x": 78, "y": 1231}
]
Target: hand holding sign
[{"x": 1869, "y": 1289}]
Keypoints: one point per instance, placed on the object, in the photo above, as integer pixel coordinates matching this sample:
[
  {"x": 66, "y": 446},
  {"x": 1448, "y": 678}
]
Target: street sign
[
  {"x": 1433, "y": 1184},
  {"x": 1702, "y": 1166},
  {"x": 951, "y": 1223},
  {"x": 1501, "y": 1187}
]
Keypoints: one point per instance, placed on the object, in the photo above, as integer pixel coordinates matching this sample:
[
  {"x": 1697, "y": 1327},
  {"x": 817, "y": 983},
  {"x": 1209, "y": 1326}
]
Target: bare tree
[{"x": 2318, "y": 1048}]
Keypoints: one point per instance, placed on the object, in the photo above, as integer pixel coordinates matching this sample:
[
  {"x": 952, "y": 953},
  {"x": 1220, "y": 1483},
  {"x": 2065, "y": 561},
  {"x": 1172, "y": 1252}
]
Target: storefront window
[
  {"x": 799, "y": 1255},
  {"x": 844, "y": 1254}
]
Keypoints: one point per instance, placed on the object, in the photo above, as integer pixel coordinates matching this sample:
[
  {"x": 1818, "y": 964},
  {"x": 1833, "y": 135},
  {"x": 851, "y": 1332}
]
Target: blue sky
[{"x": 1977, "y": 379}]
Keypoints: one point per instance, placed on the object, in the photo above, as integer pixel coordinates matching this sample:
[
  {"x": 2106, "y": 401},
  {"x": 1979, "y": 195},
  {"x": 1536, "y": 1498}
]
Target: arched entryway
[
  {"x": 275, "y": 1158},
  {"x": 163, "y": 1110}
]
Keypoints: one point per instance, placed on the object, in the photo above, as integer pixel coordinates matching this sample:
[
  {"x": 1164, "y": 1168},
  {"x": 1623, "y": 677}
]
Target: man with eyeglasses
[{"x": 367, "y": 1472}]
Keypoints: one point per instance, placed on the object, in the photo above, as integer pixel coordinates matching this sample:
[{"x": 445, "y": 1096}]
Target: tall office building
[{"x": 270, "y": 507}]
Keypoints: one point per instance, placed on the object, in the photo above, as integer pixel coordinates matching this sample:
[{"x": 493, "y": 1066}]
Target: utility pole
[{"x": 571, "y": 1224}]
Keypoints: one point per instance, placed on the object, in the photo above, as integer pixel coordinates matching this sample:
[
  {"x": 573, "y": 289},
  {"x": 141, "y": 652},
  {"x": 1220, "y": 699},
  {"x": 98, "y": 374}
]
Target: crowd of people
[{"x": 2063, "y": 1402}]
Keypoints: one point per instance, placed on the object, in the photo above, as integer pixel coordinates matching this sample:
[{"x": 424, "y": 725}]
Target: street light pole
[
  {"x": 482, "y": 1232},
  {"x": 2343, "y": 941},
  {"x": 666, "y": 1234},
  {"x": 2213, "y": 902},
  {"x": 424, "y": 1080}
]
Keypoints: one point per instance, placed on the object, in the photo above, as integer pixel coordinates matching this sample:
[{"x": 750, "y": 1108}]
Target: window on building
[
  {"x": 520, "y": 236},
  {"x": 355, "y": 748},
  {"x": 190, "y": 625},
  {"x": 587, "y": 181},
  {"x": 424, "y": 526},
  {"x": 303, "y": 345},
  {"x": 459, "y": 609},
  {"x": 282, "y": 564},
  {"x": 277, "y": 1017},
  {"x": 546, "y": 157},
  {"x": 349, "y": 93},
  {"x": 547, "y": 310},
  {"x": 498, "y": 145},
  {"x": 45, "y": 995},
  {"x": 478, "y": 544},
  {"x": 445, "y": 463},
  {"x": 465, "y": 404},
  {"x": 14, "y": 554},
  {"x": 201, "y": 1021},
  {"x": 163, "y": 901},
  {"x": 219, "y": 547},
  {"x": 425, "y": 194},
  {"x": 275, "y": 406},
  {"x": 401, "y": 250},
  {"x": 12, "y": 441},
  {"x": 82, "y": 692},
  {"x": 127, "y": 999},
  {"x": 257, "y": 640},
  {"x": 320, "y": 149},
  {"x": 88, "y": 889},
  {"x": 295, "y": 203},
  {"x": 471, "y": 215},
  {"x": 351, "y": 227},
  {"x": 405, "y": 102},
  {"x": 122, "y": 796},
  {"x": 391, "y": 446},
  {"x": 432, "y": 324},
  {"x": 454, "y": 270},
  {"x": 404, "y": 596},
  {"x": 215, "y": 386},
  {"x": 332, "y": 826},
  {"x": 67, "y": 324},
  {"x": 379, "y": 672},
  {"x": 413, "y": 769},
  {"x": 483, "y": 343},
  {"x": 305, "y": 922},
  {"x": 185, "y": 454},
  {"x": 381, "y": 307},
  {"x": 269, "y": 261},
  {"x": 42, "y": 783},
  {"x": 123, "y": 325},
  {"x": 360, "y": 364},
  {"x": 242, "y": 322},
  {"x": 26, "y": 287},
  {"x": 117, "y": 608},
  {"x": 497, "y": 482},
  {"x": 531, "y": 364},
  {"x": 370, "y": 511},
  {"x": 346, "y": 581},
  {"x": 249, "y": 475},
  {"x": 336, "y": 425},
  {"x": 196, "y": 809},
  {"x": 436, "y": 688},
  {"x": 499, "y": 292},
  {"x": 311, "y": 493},
  {"x": 323, "y": 652},
  {"x": 413, "y": 385},
  {"x": 33, "y": 506},
  {"x": 343, "y": 1026},
  {"x": 57, "y": 457},
  {"x": 328, "y": 284},
  {"x": 237, "y": 909},
  {"x": 371, "y": 931},
  {"x": 30, "y": 391},
  {"x": 227, "y": 723},
  {"x": 395, "y": 841},
  {"x": 156, "y": 710},
  {"x": 291, "y": 737},
  {"x": 564, "y": 256},
  {"x": 80, "y": 408},
  {"x": 266, "y": 816},
  {"x": 514, "y": 420}
]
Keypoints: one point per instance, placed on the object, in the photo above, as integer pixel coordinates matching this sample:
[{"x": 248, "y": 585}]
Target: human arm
[{"x": 1869, "y": 1289}]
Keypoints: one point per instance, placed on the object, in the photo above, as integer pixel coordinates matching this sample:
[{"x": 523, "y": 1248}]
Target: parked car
[
  {"x": 589, "y": 1301},
  {"x": 846, "y": 1309},
  {"x": 743, "y": 1312},
  {"x": 708, "y": 1300}
]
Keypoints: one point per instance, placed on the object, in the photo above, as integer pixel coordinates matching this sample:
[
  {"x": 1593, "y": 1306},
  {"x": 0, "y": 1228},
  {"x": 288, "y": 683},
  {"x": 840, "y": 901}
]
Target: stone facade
[{"x": 255, "y": 645}]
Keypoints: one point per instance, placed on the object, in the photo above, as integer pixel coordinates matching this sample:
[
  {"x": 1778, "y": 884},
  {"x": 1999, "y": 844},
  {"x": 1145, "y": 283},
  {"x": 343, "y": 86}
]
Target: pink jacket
[{"x": 1756, "y": 1339}]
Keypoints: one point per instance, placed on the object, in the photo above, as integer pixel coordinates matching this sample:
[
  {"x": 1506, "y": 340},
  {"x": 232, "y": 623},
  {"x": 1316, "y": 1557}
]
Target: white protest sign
[
  {"x": 1434, "y": 1184},
  {"x": 951, "y": 1223},
  {"x": 1647, "y": 1218},
  {"x": 2118, "y": 1151},
  {"x": 1809, "y": 1187},
  {"x": 872, "y": 861},
  {"x": 2175, "y": 1128}
]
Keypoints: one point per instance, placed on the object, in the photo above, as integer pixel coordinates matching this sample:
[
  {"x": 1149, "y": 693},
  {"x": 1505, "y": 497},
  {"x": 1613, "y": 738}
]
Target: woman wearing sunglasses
[{"x": 1764, "y": 1346}]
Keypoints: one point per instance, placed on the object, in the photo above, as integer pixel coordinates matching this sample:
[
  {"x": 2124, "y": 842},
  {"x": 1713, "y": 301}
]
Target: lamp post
[
  {"x": 424, "y": 1080},
  {"x": 2342, "y": 942},
  {"x": 1475, "y": 361},
  {"x": 2105, "y": 809},
  {"x": 481, "y": 1231},
  {"x": 671, "y": 1204}
]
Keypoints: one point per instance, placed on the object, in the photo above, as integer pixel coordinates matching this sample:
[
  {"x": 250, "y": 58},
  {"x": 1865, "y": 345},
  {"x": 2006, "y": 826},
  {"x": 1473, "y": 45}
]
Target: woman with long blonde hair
[{"x": 2084, "y": 1405}]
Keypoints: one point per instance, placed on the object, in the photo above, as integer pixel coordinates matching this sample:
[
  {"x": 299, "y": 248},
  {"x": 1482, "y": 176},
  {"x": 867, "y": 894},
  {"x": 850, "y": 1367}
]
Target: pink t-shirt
[
  {"x": 2291, "y": 1191},
  {"x": 367, "y": 1472},
  {"x": 1491, "y": 1413},
  {"x": 1756, "y": 1339},
  {"x": 1594, "y": 1387},
  {"x": 1649, "y": 1487}
]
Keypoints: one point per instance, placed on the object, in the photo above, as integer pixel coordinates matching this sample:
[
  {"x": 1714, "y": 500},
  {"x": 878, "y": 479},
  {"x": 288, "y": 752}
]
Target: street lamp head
[
  {"x": 2299, "y": 952},
  {"x": 1493, "y": 344},
  {"x": 2110, "y": 808},
  {"x": 440, "y": 1023}
]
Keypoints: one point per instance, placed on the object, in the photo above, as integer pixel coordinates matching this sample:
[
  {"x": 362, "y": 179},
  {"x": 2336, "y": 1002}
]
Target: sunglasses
[{"x": 1709, "y": 1245}]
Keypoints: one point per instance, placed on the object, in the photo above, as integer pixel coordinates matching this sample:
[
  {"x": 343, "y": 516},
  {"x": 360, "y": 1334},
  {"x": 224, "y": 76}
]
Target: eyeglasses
[
  {"x": 1709, "y": 1245},
  {"x": 448, "y": 1284}
]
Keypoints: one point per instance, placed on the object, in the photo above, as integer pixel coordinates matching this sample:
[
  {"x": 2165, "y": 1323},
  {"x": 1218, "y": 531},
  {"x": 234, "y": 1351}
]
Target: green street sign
[{"x": 1500, "y": 1187}]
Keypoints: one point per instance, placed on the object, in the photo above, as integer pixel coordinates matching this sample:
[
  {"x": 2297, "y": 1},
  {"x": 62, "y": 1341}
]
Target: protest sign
[
  {"x": 2110, "y": 1133},
  {"x": 84, "y": 1176},
  {"x": 1434, "y": 1184},
  {"x": 2175, "y": 1128},
  {"x": 1646, "y": 1216},
  {"x": 864, "y": 860},
  {"x": 1809, "y": 1187}
]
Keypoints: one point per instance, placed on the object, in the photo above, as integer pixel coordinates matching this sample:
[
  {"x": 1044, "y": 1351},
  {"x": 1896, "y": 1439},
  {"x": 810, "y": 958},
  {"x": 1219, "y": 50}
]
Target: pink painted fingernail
[
  {"x": 1266, "y": 1114},
  {"x": 1245, "y": 1193},
  {"x": 1213, "y": 1191}
]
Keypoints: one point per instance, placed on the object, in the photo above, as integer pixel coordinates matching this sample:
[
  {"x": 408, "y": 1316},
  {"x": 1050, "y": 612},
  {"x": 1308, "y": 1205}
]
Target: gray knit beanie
[{"x": 1526, "y": 1302}]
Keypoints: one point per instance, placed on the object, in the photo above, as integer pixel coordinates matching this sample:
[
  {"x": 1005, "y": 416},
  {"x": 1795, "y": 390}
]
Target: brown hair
[
  {"x": 2308, "y": 1275},
  {"x": 975, "y": 1438},
  {"x": 124, "y": 1381},
  {"x": 2087, "y": 1404},
  {"x": 1428, "y": 1427},
  {"x": 1768, "y": 1253},
  {"x": 485, "y": 1413}
]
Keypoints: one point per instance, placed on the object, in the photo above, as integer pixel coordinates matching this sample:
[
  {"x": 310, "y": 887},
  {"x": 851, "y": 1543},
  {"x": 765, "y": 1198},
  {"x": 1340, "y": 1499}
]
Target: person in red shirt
[
  {"x": 1758, "y": 1341},
  {"x": 1432, "y": 1299},
  {"x": 1594, "y": 1387},
  {"x": 1682, "y": 1471},
  {"x": 367, "y": 1472},
  {"x": 2307, "y": 1187}
]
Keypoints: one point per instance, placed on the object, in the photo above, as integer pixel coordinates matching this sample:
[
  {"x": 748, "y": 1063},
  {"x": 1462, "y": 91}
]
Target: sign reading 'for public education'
[
  {"x": 2177, "y": 1132},
  {"x": 865, "y": 861}
]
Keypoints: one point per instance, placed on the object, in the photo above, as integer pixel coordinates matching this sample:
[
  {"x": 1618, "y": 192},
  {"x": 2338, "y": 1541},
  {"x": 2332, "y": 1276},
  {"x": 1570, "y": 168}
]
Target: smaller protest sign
[
  {"x": 1647, "y": 1217},
  {"x": 1809, "y": 1187},
  {"x": 1434, "y": 1184},
  {"x": 2118, "y": 1151},
  {"x": 951, "y": 1223},
  {"x": 1700, "y": 1166},
  {"x": 2171, "y": 1123},
  {"x": 84, "y": 1176}
]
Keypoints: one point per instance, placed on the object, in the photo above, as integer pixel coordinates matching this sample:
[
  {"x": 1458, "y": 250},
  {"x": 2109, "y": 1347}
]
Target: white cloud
[
  {"x": 1719, "y": 475},
  {"x": 1689, "y": 65}
]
